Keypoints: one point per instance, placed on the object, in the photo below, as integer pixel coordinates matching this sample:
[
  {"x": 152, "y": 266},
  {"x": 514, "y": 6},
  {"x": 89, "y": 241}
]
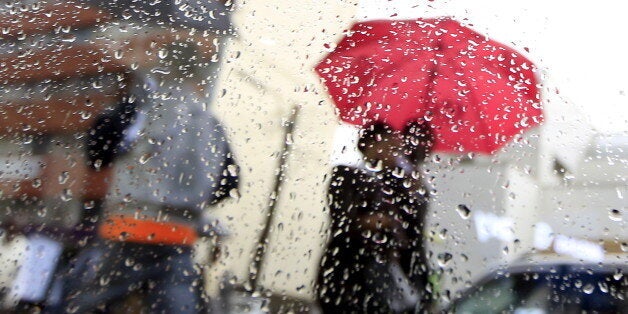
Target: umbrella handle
[{"x": 260, "y": 251}]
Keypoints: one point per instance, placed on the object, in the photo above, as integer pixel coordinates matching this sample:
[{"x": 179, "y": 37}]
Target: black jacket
[{"x": 351, "y": 278}]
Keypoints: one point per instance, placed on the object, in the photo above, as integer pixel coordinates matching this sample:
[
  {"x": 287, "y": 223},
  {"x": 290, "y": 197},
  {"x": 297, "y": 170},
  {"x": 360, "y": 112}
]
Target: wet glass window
[{"x": 364, "y": 156}]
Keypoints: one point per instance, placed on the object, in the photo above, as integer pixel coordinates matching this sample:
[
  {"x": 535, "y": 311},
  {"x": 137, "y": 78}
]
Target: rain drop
[
  {"x": 89, "y": 204},
  {"x": 36, "y": 183},
  {"x": 66, "y": 195},
  {"x": 160, "y": 71},
  {"x": 41, "y": 212},
  {"x": 443, "y": 234},
  {"x": 104, "y": 280},
  {"x": 118, "y": 54},
  {"x": 68, "y": 38},
  {"x": 126, "y": 14},
  {"x": 378, "y": 166},
  {"x": 618, "y": 274},
  {"x": 444, "y": 259},
  {"x": 234, "y": 193},
  {"x": 233, "y": 170},
  {"x": 615, "y": 214},
  {"x": 86, "y": 115},
  {"x": 145, "y": 158},
  {"x": 162, "y": 53},
  {"x": 379, "y": 238},
  {"x": 463, "y": 211},
  {"x": 588, "y": 288},
  {"x": 63, "y": 177},
  {"x": 603, "y": 287}
]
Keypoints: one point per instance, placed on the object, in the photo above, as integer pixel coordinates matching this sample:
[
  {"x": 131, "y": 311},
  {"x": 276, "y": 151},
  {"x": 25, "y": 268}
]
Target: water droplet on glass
[
  {"x": 118, "y": 54},
  {"x": 160, "y": 70},
  {"x": 89, "y": 204},
  {"x": 615, "y": 214},
  {"x": 588, "y": 288},
  {"x": 66, "y": 195},
  {"x": 399, "y": 173},
  {"x": 104, "y": 280},
  {"x": 145, "y": 158},
  {"x": 41, "y": 212},
  {"x": 36, "y": 183},
  {"x": 63, "y": 177},
  {"x": 463, "y": 211},
  {"x": 618, "y": 274},
  {"x": 234, "y": 193},
  {"x": 378, "y": 166},
  {"x": 162, "y": 53},
  {"x": 379, "y": 238},
  {"x": 444, "y": 259},
  {"x": 443, "y": 234},
  {"x": 603, "y": 287},
  {"x": 68, "y": 38},
  {"x": 233, "y": 170}
]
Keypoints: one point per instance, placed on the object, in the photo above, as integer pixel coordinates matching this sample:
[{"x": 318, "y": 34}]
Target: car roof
[{"x": 540, "y": 261}]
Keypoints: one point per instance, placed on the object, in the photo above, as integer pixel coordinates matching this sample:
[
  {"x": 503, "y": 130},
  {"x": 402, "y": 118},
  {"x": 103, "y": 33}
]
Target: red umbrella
[{"x": 475, "y": 92}]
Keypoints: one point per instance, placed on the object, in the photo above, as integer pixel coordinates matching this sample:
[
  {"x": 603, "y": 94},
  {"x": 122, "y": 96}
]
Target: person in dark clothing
[{"x": 375, "y": 259}]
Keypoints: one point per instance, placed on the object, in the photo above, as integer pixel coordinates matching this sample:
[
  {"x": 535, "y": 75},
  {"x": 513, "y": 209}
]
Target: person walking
[{"x": 375, "y": 260}]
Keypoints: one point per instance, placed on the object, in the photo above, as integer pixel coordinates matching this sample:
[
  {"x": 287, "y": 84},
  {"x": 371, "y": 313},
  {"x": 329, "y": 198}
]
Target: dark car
[{"x": 558, "y": 287}]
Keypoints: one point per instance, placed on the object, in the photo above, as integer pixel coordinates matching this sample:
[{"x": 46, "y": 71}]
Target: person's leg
[
  {"x": 101, "y": 275},
  {"x": 178, "y": 288}
]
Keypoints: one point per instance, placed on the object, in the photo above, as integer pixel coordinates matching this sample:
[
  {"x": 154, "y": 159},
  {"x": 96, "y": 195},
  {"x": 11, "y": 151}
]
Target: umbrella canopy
[{"x": 475, "y": 93}]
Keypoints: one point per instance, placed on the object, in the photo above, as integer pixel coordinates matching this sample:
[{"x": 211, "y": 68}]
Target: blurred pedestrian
[
  {"x": 375, "y": 259},
  {"x": 167, "y": 159}
]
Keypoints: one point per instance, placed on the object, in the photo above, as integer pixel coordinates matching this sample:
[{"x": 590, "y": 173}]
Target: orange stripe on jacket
[{"x": 128, "y": 229}]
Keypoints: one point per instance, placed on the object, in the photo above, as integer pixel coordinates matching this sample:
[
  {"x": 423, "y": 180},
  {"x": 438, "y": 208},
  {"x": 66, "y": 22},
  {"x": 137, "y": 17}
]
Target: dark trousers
[{"x": 108, "y": 271}]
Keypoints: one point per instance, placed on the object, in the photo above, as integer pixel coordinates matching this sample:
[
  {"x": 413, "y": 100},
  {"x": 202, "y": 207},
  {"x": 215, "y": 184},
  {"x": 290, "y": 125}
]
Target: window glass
[{"x": 232, "y": 156}]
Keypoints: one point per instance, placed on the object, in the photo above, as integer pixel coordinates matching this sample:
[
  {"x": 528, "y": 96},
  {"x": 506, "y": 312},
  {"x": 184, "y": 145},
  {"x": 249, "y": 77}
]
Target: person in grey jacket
[{"x": 169, "y": 159}]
